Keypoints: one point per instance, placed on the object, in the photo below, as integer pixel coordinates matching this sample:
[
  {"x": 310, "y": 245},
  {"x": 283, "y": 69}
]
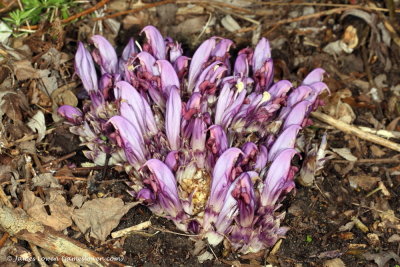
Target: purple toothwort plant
[{"x": 207, "y": 145}]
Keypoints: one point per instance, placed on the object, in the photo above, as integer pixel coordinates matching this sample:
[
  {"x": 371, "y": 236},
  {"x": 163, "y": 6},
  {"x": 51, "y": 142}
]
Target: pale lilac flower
[{"x": 205, "y": 144}]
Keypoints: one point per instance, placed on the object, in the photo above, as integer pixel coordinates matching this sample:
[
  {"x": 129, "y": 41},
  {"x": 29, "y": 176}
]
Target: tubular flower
[{"x": 207, "y": 145}]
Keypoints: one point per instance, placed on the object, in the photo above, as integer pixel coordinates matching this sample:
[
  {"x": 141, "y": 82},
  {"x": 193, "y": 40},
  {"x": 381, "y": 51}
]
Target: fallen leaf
[
  {"x": 24, "y": 71},
  {"x": 364, "y": 182},
  {"x": 344, "y": 153},
  {"x": 60, "y": 214},
  {"x": 394, "y": 238},
  {"x": 376, "y": 151},
  {"x": 230, "y": 23},
  {"x": 382, "y": 258},
  {"x": 38, "y": 124},
  {"x": 101, "y": 216},
  {"x": 46, "y": 180},
  {"x": 334, "y": 263},
  {"x": 63, "y": 96},
  {"x": 191, "y": 26}
]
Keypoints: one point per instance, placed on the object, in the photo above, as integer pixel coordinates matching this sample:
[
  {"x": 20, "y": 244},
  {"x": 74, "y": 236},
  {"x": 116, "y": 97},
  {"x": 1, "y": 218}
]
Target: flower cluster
[{"x": 207, "y": 144}]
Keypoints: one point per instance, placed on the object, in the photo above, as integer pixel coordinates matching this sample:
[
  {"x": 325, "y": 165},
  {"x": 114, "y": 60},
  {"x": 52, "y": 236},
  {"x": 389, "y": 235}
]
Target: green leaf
[{"x": 308, "y": 238}]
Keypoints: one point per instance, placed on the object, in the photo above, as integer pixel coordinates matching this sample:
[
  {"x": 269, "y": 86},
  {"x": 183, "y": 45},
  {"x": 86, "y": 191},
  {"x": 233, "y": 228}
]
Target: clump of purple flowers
[{"x": 206, "y": 144}]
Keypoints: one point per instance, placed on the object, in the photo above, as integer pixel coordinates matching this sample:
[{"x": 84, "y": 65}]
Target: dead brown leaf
[
  {"x": 60, "y": 214},
  {"x": 364, "y": 182},
  {"x": 101, "y": 216},
  {"x": 23, "y": 70}
]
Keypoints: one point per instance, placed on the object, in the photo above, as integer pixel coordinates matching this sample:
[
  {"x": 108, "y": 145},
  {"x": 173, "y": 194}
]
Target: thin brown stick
[
  {"x": 70, "y": 178},
  {"x": 306, "y": 17},
  {"x": 3, "y": 239},
  {"x": 53, "y": 162},
  {"x": 18, "y": 224},
  {"x": 8, "y": 6},
  {"x": 370, "y": 8},
  {"x": 76, "y": 16},
  {"x": 370, "y": 161},
  {"x": 350, "y": 129},
  {"x": 27, "y": 138}
]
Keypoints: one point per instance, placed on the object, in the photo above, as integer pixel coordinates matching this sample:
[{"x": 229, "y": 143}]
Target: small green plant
[
  {"x": 308, "y": 238},
  {"x": 35, "y": 10}
]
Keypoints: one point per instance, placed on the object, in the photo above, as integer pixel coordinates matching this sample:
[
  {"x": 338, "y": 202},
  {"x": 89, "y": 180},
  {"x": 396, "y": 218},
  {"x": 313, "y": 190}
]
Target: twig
[
  {"x": 383, "y": 133},
  {"x": 129, "y": 230},
  {"x": 76, "y": 16},
  {"x": 70, "y": 178},
  {"x": 350, "y": 129},
  {"x": 27, "y": 138},
  {"x": 8, "y": 6},
  {"x": 369, "y": 8},
  {"x": 18, "y": 224},
  {"x": 38, "y": 256},
  {"x": 3, "y": 239},
  {"x": 53, "y": 162},
  {"x": 370, "y": 161},
  {"x": 311, "y": 16},
  {"x": 170, "y": 232}
]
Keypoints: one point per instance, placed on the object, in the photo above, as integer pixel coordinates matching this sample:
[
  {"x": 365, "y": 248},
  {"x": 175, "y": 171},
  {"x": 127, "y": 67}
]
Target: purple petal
[
  {"x": 168, "y": 75},
  {"x": 217, "y": 142},
  {"x": 221, "y": 180},
  {"x": 181, "y": 65},
  {"x": 241, "y": 65},
  {"x": 129, "y": 51},
  {"x": 280, "y": 89},
  {"x": 261, "y": 54},
  {"x": 224, "y": 100},
  {"x": 71, "y": 114},
  {"x": 156, "y": 41},
  {"x": 147, "y": 61},
  {"x": 222, "y": 48},
  {"x": 175, "y": 52},
  {"x": 198, "y": 141},
  {"x": 171, "y": 160},
  {"x": 244, "y": 194},
  {"x": 286, "y": 139},
  {"x": 200, "y": 57},
  {"x": 173, "y": 119},
  {"x": 276, "y": 179},
  {"x": 165, "y": 188},
  {"x": 85, "y": 69},
  {"x": 104, "y": 55},
  {"x": 262, "y": 159},
  {"x": 316, "y": 75},
  {"x": 141, "y": 108},
  {"x": 297, "y": 115},
  {"x": 129, "y": 139}
]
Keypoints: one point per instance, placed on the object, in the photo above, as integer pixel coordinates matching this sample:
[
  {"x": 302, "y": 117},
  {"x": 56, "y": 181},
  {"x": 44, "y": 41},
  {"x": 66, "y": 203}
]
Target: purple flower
[
  {"x": 173, "y": 119},
  {"x": 71, "y": 114},
  {"x": 199, "y": 59},
  {"x": 205, "y": 145},
  {"x": 163, "y": 185},
  {"x": 104, "y": 55},
  {"x": 85, "y": 69},
  {"x": 278, "y": 178},
  {"x": 156, "y": 42}
]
